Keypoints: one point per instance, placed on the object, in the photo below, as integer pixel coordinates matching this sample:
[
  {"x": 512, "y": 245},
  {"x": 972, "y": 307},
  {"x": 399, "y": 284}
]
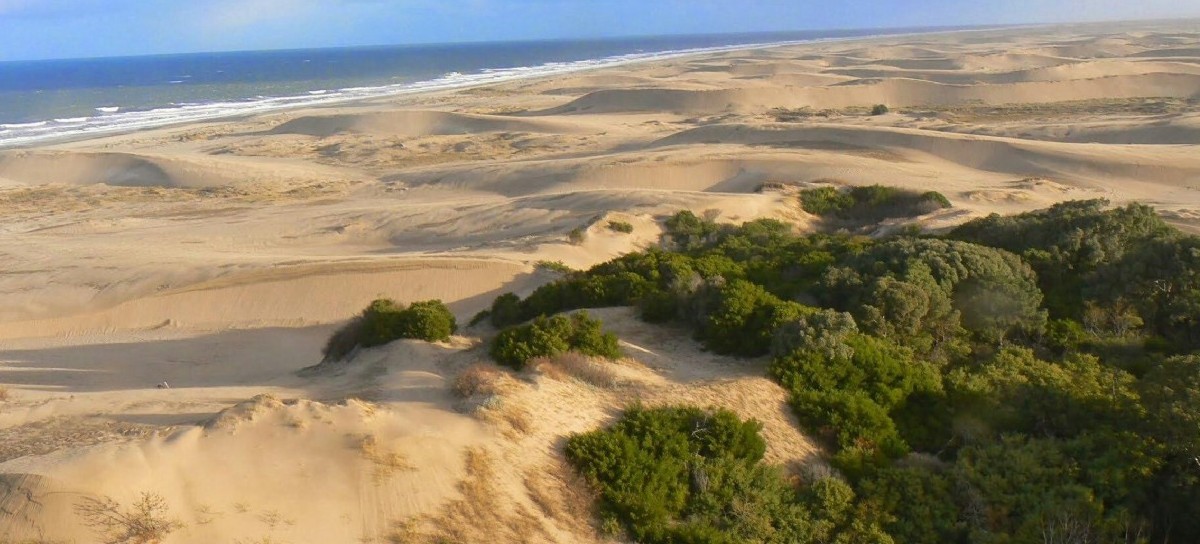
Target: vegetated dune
[
  {"x": 271, "y": 468},
  {"x": 894, "y": 92},
  {"x": 1170, "y": 131},
  {"x": 1170, "y": 52},
  {"x": 414, "y": 458},
  {"x": 414, "y": 123},
  {"x": 1075, "y": 71},
  {"x": 1185, "y": 131},
  {"x": 1168, "y": 165}
]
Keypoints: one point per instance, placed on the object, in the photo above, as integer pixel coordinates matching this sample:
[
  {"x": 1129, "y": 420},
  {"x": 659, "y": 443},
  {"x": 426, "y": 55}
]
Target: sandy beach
[{"x": 218, "y": 257}]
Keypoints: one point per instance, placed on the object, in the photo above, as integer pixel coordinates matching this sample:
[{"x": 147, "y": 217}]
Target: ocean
[{"x": 74, "y": 98}]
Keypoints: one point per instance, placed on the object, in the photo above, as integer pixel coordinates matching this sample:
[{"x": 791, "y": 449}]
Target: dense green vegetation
[
  {"x": 865, "y": 205},
  {"x": 1032, "y": 378},
  {"x": 548, "y": 336},
  {"x": 385, "y": 320},
  {"x": 680, "y": 474}
]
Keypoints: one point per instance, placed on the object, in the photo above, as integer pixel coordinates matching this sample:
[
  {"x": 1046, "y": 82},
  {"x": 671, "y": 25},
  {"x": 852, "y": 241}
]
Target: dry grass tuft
[
  {"x": 517, "y": 418},
  {"x": 479, "y": 516},
  {"x": 144, "y": 522},
  {"x": 387, "y": 462},
  {"x": 564, "y": 497},
  {"x": 5, "y": 394},
  {"x": 478, "y": 380},
  {"x": 580, "y": 367}
]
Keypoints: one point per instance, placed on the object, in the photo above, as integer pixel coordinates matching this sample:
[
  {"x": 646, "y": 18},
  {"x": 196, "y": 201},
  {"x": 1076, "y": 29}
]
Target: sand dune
[
  {"x": 414, "y": 123},
  {"x": 1170, "y": 52},
  {"x": 293, "y": 296},
  {"x": 1074, "y": 71},
  {"x": 120, "y": 169},
  {"x": 895, "y": 92},
  {"x": 152, "y": 170},
  {"x": 1045, "y": 159}
]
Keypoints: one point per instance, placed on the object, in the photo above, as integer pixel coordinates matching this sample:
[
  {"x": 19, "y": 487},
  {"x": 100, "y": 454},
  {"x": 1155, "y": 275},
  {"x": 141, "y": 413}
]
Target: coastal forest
[{"x": 1018, "y": 379}]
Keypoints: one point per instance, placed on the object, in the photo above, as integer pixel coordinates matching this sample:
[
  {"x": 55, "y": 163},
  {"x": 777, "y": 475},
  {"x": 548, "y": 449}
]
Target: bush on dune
[
  {"x": 1020, "y": 376},
  {"x": 385, "y": 320},
  {"x": 623, "y": 227},
  {"x": 865, "y": 205},
  {"x": 682, "y": 474},
  {"x": 550, "y": 336}
]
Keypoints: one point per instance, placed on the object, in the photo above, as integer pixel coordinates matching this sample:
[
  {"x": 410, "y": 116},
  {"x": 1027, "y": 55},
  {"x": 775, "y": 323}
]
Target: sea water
[{"x": 75, "y": 98}]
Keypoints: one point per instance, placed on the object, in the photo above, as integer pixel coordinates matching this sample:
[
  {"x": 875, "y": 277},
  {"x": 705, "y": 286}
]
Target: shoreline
[{"x": 418, "y": 89}]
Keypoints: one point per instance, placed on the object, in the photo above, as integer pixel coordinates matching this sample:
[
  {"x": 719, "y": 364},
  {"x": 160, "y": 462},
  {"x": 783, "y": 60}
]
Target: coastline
[{"x": 451, "y": 83}]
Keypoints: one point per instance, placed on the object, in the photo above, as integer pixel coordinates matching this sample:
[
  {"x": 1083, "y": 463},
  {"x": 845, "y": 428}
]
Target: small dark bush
[
  {"x": 428, "y": 320},
  {"x": 548, "y": 336},
  {"x": 825, "y": 200},
  {"x": 384, "y": 320},
  {"x": 506, "y": 311},
  {"x": 743, "y": 318},
  {"x": 553, "y": 266},
  {"x": 575, "y": 236},
  {"x": 869, "y": 204},
  {"x": 688, "y": 231},
  {"x": 653, "y": 466},
  {"x": 483, "y": 315},
  {"x": 344, "y": 340},
  {"x": 880, "y": 109},
  {"x": 620, "y": 226},
  {"x": 682, "y": 474}
]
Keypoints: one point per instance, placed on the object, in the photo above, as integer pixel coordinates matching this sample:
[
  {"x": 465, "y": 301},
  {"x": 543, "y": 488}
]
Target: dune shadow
[{"x": 222, "y": 359}]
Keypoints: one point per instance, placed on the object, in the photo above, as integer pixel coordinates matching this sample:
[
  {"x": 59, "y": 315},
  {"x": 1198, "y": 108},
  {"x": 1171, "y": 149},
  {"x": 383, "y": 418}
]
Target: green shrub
[
  {"x": 620, "y": 226},
  {"x": 742, "y": 318},
  {"x": 659, "y": 307},
  {"x": 688, "y": 231},
  {"x": 381, "y": 320},
  {"x": 869, "y": 204},
  {"x": 1077, "y": 249},
  {"x": 480, "y": 317},
  {"x": 920, "y": 501},
  {"x": 825, "y": 200},
  {"x": 942, "y": 346},
  {"x": 428, "y": 320},
  {"x": 883, "y": 371},
  {"x": 681, "y": 474},
  {"x": 548, "y": 336},
  {"x": 553, "y": 266},
  {"x": 672, "y": 474},
  {"x": 879, "y": 109},
  {"x": 851, "y": 421},
  {"x": 343, "y": 341},
  {"x": 576, "y": 236},
  {"x": 385, "y": 320},
  {"x": 506, "y": 311}
]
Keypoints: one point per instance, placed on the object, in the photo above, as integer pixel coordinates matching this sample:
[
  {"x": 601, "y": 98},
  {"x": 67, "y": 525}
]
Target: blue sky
[{"x": 38, "y": 29}]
